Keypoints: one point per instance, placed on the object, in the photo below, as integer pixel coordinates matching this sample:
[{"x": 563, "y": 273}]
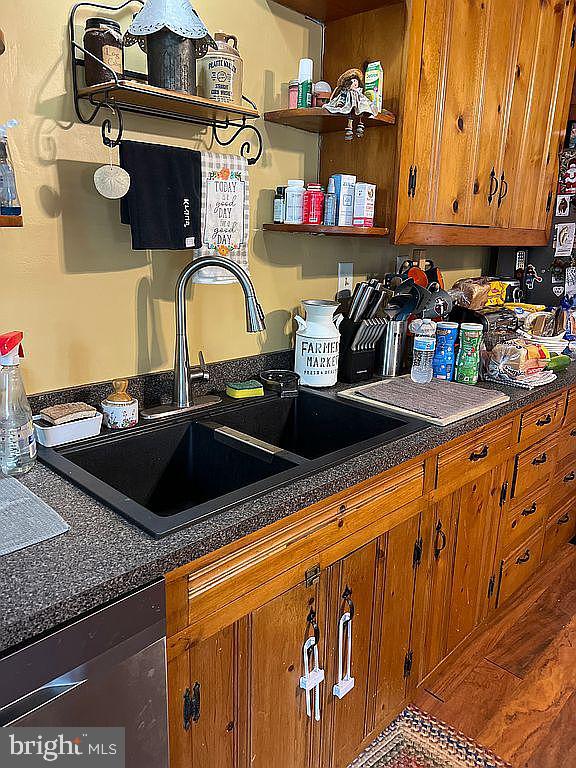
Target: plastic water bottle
[{"x": 424, "y": 345}]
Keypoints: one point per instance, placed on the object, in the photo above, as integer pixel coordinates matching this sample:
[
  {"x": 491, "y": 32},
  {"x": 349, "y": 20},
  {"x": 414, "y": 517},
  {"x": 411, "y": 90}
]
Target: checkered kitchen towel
[{"x": 225, "y": 214}]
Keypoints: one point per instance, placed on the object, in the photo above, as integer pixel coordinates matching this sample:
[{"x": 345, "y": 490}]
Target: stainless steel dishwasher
[{"x": 107, "y": 669}]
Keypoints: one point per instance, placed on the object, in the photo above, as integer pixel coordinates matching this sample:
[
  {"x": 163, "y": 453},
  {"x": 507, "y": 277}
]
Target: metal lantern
[{"x": 173, "y": 36}]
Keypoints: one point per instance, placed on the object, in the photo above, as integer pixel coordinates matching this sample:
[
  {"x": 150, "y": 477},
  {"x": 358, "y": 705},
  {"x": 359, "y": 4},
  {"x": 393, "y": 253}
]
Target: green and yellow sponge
[{"x": 241, "y": 389}]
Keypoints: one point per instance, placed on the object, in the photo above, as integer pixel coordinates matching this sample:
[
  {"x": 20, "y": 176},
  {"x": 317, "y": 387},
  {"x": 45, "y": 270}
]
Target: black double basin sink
[{"x": 166, "y": 476}]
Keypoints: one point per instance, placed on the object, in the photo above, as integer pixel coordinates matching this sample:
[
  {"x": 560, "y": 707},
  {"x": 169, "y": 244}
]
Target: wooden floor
[{"x": 514, "y": 690}]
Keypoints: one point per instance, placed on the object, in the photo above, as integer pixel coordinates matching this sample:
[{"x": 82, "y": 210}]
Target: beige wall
[{"x": 90, "y": 307}]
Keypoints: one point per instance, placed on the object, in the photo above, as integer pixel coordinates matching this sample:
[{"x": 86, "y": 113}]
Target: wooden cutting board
[{"x": 439, "y": 402}]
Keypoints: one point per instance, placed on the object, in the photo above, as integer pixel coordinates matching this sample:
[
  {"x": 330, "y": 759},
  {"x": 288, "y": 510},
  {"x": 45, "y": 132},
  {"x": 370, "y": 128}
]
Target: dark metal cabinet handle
[
  {"x": 523, "y": 558},
  {"x": 540, "y": 460},
  {"x": 347, "y": 597},
  {"x": 440, "y": 541},
  {"x": 503, "y": 190},
  {"x": 543, "y": 422},
  {"x": 573, "y": 433},
  {"x": 530, "y": 511},
  {"x": 191, "y": 706},
  {"x": 477, "y": 456},
  {"x": 570, "y": 478},
  {"x": 314, "y": 624},
  {"x": 564, "y": 519},
  {"x": 493, "y": 186}
]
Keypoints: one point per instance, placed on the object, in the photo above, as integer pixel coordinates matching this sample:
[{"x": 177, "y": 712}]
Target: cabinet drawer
[
  {"x": 570, "y": 418},
  {"x": 560, "y": 529},
  {"x": 473, "y": 456},
  {"x": 566, "y": 452},
  {"x": 541, "y": 420},
  {"x": 517, "y": 568},
  {"x": 533, "y": 468},
  {"x": 522, "y": 518},
  {"x": 563, "y": 486}
]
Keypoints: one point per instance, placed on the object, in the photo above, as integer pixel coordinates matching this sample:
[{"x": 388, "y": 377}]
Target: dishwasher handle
[{"x": 34, "y": 700}]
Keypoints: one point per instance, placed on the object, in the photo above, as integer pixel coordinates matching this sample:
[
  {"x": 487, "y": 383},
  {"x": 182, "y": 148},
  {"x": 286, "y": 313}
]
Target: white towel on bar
[{"x": 225, "y": 214}]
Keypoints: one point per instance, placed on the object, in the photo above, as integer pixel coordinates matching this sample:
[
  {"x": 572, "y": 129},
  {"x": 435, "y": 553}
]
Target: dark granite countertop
[{"x": 102, "y": 557}]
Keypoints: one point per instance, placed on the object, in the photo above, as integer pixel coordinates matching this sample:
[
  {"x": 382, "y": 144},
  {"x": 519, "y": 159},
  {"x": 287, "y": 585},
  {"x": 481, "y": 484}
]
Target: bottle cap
[
  {"x": 11, "y": 348},
  {"x": 305, "y": 70},
  {"x": 295, "y": 182}
]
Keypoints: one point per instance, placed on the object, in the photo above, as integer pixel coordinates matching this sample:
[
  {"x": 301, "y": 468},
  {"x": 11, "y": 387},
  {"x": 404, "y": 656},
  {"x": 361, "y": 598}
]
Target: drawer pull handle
[
  {"x": 564, "y": 519},
  {"x": 441, "y": 540},
  {"x": 545, "y": 421},
  {"x": 573, "y": 433},
  {"x": 569, "y": 478},
  {"x": 477, "y": 456},
  {"x": 523, "y": 558},
  {"x": 540, "y": 460},
  {"x": 530, "y": 511}
]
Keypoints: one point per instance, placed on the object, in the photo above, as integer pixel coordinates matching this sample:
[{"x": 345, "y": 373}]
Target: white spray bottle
[{"x": 17, "y": 439}]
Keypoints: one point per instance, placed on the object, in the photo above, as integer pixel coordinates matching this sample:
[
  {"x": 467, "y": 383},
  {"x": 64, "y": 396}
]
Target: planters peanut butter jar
[{"x": 220, "y": 73}]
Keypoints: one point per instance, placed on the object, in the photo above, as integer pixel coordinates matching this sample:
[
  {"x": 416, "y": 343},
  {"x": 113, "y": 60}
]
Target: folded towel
[
  {"x": 225, "y": 214},
  {"x": 163, "y": 204}
]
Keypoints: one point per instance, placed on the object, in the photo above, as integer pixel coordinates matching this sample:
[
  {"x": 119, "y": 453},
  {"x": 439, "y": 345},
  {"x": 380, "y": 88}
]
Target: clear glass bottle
[
  {"x": 9, "y": 202},
  {"x": 17, "y": 439}
]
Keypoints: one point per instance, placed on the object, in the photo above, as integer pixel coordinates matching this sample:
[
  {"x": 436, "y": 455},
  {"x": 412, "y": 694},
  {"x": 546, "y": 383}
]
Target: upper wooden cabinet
[{"x": 482, "y": 92}]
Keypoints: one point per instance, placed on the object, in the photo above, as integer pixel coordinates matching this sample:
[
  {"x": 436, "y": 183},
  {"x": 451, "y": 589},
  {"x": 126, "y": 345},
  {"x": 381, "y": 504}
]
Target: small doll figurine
[{"x": 348, "y": 98}]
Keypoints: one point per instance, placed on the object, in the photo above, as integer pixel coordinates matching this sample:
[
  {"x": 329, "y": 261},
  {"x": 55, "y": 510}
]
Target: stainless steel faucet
[{"x": 185, "y": 374}]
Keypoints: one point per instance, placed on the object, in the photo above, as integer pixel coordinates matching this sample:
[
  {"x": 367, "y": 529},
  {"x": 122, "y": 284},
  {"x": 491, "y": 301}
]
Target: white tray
[{"x": 60, "y": 434}]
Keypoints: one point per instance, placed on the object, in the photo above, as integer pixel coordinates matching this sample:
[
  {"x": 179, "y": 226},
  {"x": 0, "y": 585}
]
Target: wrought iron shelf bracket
[{"x": 112, "y": 98}]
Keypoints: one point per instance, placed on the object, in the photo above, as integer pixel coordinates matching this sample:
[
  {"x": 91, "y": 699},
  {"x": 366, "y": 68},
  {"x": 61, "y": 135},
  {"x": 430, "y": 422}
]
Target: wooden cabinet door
[
  {"x": 543, "y": 69},
  {"x": 392, "y": 651},
  {"x": 442, "y": 534},
  {"x": 451, "y": 77},
  {"x": 494, "y": 105},
  {"x": 478, "y": 512},
  {"x": 350, "y": 594},
  {"x": 201, "y": 700},
  {"x": 281, "y": 731}
]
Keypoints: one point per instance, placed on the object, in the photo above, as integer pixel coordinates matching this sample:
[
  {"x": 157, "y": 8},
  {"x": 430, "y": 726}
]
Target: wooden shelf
[
  {"x": 331, "y": 10},
  {"x": 11, "y": 221},
  {"x": 130, "y": 94},
  {"x": 312, "y": 229},
  {"x": 319, "y": 120}
]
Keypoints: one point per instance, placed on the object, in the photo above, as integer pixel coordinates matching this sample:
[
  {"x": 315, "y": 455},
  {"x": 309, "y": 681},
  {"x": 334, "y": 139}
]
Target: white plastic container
[
  {"x": 294, "y": 202},
  {"x": 60, "y": 434}
]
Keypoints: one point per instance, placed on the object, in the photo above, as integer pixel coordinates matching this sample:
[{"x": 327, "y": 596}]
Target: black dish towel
[{"x": 165, "y": 199}]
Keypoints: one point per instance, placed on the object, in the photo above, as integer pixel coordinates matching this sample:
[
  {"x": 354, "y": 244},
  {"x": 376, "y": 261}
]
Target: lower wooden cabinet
[
  {"x": 461, "y": 576},
  {"x": 350, "y": 634},
  {"x": 351, "y": 591}
]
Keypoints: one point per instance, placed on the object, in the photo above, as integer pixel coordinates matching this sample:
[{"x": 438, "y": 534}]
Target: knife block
[{"x": 354, "y": 367}]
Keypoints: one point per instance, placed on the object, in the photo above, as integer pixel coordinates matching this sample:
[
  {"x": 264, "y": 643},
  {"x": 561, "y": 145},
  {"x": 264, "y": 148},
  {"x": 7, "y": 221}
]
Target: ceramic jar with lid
[
  {"x": 119, "y": 408},
  {"x": 103, "y": 39},
  {"x": 221, "y": 72}
]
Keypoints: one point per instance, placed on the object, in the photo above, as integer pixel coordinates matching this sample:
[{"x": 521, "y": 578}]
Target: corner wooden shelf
[
  {"x": 11, "y": 221},
  {"x": 132, "y": 95},
  {"x": 331, "y": 10},
  {"x": 319, "y": 120},
  {"x": 313, "y": 229}
]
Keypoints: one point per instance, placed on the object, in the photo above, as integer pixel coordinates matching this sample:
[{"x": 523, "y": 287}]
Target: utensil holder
[{"x": 353, "y": 366}]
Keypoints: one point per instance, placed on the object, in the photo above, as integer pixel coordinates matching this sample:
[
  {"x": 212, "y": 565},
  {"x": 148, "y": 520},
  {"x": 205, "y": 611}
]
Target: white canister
[
  {"x": 119, "y": 409},
  {"x": 294, "y": 197},
  {"x": 318, "y": 344}
]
